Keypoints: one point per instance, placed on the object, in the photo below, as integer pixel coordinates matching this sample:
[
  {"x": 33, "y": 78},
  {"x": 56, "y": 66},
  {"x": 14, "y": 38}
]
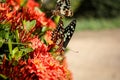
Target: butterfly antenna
[
  {"x": 74, "y": 51},
  {"x": 51, "y": 16}
]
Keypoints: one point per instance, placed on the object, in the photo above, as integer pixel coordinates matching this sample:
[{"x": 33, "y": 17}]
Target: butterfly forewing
[
  {"x": 63, "y": 8},
  {"x": 68, "y": 33}
]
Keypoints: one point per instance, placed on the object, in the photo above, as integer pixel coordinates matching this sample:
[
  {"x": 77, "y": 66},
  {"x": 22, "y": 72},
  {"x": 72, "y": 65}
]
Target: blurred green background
[{"x": 91, "y": 14}]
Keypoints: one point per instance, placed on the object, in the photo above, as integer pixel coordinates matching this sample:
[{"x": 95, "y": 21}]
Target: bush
[{"x": 98, "y": 8}]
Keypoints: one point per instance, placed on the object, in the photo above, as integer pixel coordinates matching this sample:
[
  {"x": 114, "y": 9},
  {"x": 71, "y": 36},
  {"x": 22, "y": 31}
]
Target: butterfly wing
[
  {"x": 57, "y": 34},
  {"x": 68, "y": 33},
  {"x": 63, "y": 8},
  {"x": 61, "y": 36}
]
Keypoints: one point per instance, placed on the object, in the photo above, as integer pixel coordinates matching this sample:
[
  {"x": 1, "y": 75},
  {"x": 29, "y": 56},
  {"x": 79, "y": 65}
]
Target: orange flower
[
  {"x": 35, "y": 43},
  {"x": 38, "y": 64},
  {"x": 32, "y": 4},
  {"x": 48, "y": 37},
  {"x": 51, "y": 24}
]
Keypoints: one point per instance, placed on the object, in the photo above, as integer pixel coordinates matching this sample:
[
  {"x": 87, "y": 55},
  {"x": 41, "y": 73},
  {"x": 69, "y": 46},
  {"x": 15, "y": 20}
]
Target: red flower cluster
[
  {"x": 13, "y": 13},
  {"x": 40, "y": 64}
]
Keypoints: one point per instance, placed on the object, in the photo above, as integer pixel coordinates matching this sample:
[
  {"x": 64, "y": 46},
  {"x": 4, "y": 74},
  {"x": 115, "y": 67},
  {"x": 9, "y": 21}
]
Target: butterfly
[
  {"x": 63, "y": 8},
  {"x": 61, "y": 36}
]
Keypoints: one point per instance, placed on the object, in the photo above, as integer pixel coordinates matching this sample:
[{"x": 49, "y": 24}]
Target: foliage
[
  {"x": 26, "y": 46},
  {"x": 98, "y": 8}
]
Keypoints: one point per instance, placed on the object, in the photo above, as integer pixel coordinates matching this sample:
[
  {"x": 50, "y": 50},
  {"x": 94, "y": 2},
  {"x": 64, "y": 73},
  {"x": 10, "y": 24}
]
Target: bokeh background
[{"x": 94, "y": 50}]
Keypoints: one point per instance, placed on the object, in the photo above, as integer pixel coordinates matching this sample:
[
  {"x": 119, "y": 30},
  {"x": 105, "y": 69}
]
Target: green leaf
[
  {"x": 7, "y": 35},
  {"x": 4, "y": 31},
  {"x": 18, "y": 55},
  {"x": 1, "y": 42},
  {"x": 14, "y": 51},
  {"x": 10, "y": 48},
  {"x": 26, "y": 50},
  {"x": 2, "y": 1},
  {"x": 45, "y": 42},
  {"x": 5, "y": 27},
  {"x": 19, "y": 52},
  {"x": 4, "y": 34},
  {"x": 29, "y": 25},
  {"x": 57, "y": 18},
  {"x": 23, "y": 2},
  {"x": 44, "y": 29},
  {"x": 3, "y": 77},
  {"x": 17, "y": 35}
]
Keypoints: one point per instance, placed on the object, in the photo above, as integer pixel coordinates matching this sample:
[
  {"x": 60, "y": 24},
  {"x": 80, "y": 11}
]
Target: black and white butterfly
[
  {"x": 63, "y": 8},
  {"x": 61, "y": 36}
]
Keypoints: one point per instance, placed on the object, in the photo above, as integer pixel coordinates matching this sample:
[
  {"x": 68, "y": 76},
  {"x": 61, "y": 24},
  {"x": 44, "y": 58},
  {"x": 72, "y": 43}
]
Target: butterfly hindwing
[
  {"x": 61, "y": 36},
  {"x": 68, "y": 33},
  {"x": 57, "y": 34}
]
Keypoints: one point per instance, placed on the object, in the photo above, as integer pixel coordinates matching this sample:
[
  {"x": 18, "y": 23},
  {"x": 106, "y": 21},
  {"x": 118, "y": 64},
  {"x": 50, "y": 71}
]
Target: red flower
[
  {"x": 32, "y": 4},
  {"x": 48, "y": 37},
  {"x": 51, "y": 24},
  {"x": 39, "y": 16},
  {"x": 35, "y": 43},
  {"x": 27, "y": 13},
  {"x": 40, "y": 64}
]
